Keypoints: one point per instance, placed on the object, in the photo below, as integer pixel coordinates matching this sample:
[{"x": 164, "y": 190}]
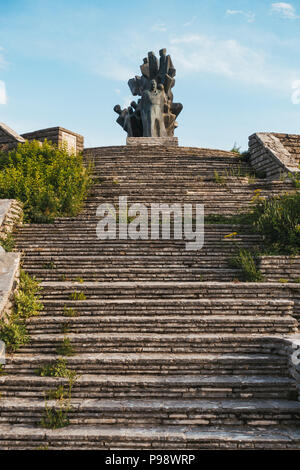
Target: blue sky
[{"x": 67, "y": 63}]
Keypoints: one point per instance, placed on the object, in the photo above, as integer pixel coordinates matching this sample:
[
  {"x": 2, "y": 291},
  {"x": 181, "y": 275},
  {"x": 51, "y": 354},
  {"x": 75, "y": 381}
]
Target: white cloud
[
  {"x": 201, "y": 54},
  {"x": 296, "y": 93},
  {"x": 3, "y": 97},
  {"x": 249, "y": 15},
  {"x": 285, "y": 9},
  {"x": 159, "y": 26},
  {"x": 189, "y": 23}
]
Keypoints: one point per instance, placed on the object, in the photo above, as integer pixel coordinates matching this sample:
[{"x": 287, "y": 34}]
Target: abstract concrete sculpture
[{"x": 154, "y": 115}]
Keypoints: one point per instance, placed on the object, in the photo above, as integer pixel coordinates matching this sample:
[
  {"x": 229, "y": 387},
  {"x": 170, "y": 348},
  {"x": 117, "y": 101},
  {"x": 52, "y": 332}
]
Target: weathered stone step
[
  {"x": 139, "y": 323},
  {"x": 178, "y": 387},
  {"x": 192, "y": 290},
  {"x": 171, "y": 306},
  {"x": 139, "y": 339},
  {"x": 153, "y": 412},
  {"x": 148, "y": 438},
  {"x": 156, "y": 364},
  {"x": 133, "y": 274}
]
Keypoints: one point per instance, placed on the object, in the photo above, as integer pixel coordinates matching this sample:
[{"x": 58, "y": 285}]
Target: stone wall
[
  {"x": 291, "y": 348},
  {"x": 10, "y": 215},
  {"x": 292, "y": 143},
  {"x": 58, "y": 135},
  {"x": 269, "y": 155},
  {"x": 9, "y": 138},
  {"x": 280, "y": 268}
]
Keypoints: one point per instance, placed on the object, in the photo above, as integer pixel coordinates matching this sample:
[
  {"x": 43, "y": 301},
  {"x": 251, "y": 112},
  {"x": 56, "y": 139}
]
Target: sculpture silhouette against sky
[{"x": 154, "y": 114}]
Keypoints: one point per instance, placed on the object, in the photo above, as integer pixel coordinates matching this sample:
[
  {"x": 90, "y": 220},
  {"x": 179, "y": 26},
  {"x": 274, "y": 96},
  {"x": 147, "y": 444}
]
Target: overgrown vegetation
[
  {"x": 246, "y": 263},
  {"x": 26, "y": 303},
  {"x": 44, "y": 177},
  {"x": 277, "y": 219},
  {"x": 14, "y": 333},
  {"x": 57, "y": 369},
  {"x": 8, "y": 242}
]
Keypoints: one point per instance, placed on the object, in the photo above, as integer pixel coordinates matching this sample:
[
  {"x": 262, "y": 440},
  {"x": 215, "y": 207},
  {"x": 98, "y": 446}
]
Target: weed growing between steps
[
  {"x": 44, "y": 177},
  {"x": 65, "y": 348},
  {"x": 246, "y": 262},
  {"x": 26, "y": 304},
  {"x": 57, "y": 369},
  {"x": 69, "y": 312},
  {"x": 77, "y": 296},
  {"x": 57, "y": 416}
]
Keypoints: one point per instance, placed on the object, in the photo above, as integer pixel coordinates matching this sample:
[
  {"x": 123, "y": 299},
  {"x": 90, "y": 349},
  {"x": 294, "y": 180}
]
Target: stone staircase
[{"x": 170, "y": 350}]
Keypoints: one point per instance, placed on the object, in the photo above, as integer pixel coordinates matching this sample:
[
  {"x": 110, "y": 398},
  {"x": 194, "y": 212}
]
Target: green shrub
[
  {"x": 26, "y": 300},
  {"x": 278, "y": 220},
  {"x": 26, "y": 304},
  {"x": 13, "y": 333},
  {"x": 48, "y": 180},
  {"x": 245, "y": 261},
  {"x": 8, "y": 242}
]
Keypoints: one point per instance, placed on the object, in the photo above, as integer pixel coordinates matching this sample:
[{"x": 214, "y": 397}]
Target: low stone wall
[
  {"x": 9, "y": 277},
  {"x": 291, "y": 348},
  {"x": 280, "y": 268},
  {"x": 9, "y": 139},
  {"x": 268, "y": 155},
  {"x": 10, "y": 215},
  {"x": 58, "y": 135}
]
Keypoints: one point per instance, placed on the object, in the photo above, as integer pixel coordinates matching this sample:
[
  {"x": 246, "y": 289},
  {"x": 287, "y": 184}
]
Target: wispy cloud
[
  {"x": 228, "y": 58},
  {"x": 3, "y": 97},
  {"x": 249, "y": 15},
  {"x": 285, "y": 9},
  {"x": 189, "y": 23},
  {"x": 159, "y": 26}
]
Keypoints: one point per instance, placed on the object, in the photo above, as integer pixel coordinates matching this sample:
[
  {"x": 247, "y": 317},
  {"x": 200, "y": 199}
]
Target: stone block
[{"x": 153, "y": 141}]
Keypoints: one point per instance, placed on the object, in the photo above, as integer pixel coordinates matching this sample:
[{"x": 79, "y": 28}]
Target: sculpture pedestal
[{"x": 151, "y": 141}]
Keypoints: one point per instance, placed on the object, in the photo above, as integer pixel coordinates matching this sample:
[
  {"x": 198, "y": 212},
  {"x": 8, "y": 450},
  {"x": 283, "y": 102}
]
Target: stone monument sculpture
[{"x": 154, "y": 114}]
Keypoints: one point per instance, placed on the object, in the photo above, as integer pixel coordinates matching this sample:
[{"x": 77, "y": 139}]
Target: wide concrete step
[
  {"x": 25, "y": 437},
  {"x": 156, "y": 364},
  {"x": 153, "y": 412},
  {"x": 143, "y": 387}
]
